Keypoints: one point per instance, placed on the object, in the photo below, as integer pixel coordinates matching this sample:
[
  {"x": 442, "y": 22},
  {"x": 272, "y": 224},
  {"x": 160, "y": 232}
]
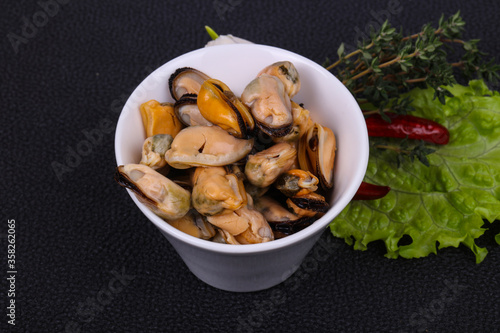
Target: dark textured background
[{"x": 73, "y": 74}]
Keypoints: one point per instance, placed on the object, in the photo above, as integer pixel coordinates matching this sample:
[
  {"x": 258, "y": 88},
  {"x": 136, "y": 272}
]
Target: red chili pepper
[
  {"x": 402, "y": 126},
  {"x": 367, "y": 191}
]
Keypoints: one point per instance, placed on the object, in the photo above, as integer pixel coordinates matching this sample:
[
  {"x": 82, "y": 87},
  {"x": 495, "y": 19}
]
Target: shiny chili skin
[
  {"x": 402, "y": 126},
  {"x": 367, "y": 191}
]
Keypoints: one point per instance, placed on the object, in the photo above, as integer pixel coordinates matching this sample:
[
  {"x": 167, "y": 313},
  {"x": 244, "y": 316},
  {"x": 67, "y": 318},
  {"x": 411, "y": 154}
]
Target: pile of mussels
[{"x": 240, "y": 170}]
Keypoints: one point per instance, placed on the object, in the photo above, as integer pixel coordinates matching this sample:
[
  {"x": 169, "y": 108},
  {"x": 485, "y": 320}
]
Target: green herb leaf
[
  {"x": 445, "y": 202},
  {"x": 211, "y": 33},
  {"x": 340, "y": 51}
]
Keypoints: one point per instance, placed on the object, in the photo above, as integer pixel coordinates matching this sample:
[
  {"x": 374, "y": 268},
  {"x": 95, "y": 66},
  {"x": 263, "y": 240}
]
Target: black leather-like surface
[{"x": 89, "y": 261}]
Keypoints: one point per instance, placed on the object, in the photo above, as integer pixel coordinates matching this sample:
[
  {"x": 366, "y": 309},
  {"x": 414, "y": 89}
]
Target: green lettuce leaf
[{"x": 445, "y": 202}]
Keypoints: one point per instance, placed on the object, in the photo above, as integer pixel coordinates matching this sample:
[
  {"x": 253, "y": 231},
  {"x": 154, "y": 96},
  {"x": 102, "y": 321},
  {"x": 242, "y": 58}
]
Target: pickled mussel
[
  {"x": 317, "y": 153},
  {"x": 154, "y": 149},
  {"x": 296, "y": 182},
  {"x": 194, "y": 224},
  {"x": 186, "y": 80},
  {"x": 280, "y": 219},
  {"x": 206, "y": 146},
  {"x": 219, "y": 105},
  {"x": 246, "y": 225},
  {"x": 288, "y": 75},
  {"x": 186, "y": 109},
  {"x": 217, "y": 191},
  {"x": 228, "y": 155},
  {"x": 264, "y": 167},
  {"x": 309, "y": 205},
  {"x": 269, "y": 104},
  {"x": 159, "y": 118},
  {"x": 164, "y": 197}
]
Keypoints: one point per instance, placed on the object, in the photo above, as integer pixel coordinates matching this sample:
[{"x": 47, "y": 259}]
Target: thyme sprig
[
  {"x": 389, "y": 64},
  {"x": 405, "y": 150}
]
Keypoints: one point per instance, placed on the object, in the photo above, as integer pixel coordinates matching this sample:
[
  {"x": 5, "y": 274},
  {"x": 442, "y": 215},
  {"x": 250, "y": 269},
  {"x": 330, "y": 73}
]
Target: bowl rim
[{"x": 318, "y": 226}]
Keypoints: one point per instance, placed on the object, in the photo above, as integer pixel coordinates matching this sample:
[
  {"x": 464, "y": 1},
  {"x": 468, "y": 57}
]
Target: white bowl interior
[{"x": 328, "y": 101}]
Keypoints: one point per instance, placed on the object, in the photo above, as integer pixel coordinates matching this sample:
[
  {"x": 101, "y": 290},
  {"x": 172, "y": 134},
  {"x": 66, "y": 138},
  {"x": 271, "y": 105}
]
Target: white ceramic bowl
[{"x": 257, "y": 266}]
